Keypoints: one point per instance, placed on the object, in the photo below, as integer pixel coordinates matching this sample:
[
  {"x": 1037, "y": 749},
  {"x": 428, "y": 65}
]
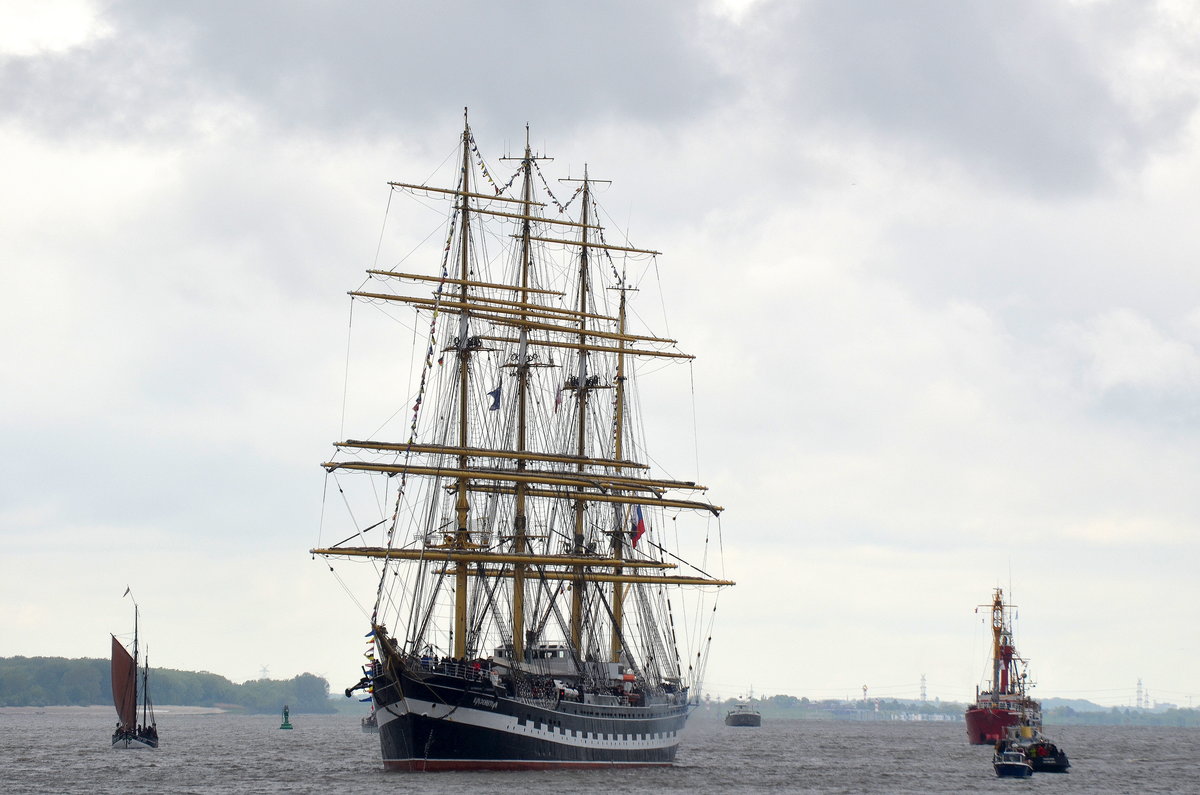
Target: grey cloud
[
  {"x": 370, "y": 65},
  {"x": 1018, "y": 91}
]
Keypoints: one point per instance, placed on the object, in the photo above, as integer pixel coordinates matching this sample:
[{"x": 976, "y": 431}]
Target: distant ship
[
  {"x": 528, "y": 601},
  {"x": 1006, "y": 701},
  {"x": 743, "y": 714},
  {"x": 130, "y": 733}
]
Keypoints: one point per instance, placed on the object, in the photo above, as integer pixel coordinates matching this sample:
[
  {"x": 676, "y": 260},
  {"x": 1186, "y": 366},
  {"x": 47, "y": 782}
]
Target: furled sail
[{"x": 124, "y": 685}]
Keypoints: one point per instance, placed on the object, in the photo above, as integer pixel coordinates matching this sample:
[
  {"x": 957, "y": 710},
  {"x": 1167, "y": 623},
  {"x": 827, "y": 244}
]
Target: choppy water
[{"x": 69, "y": 752}]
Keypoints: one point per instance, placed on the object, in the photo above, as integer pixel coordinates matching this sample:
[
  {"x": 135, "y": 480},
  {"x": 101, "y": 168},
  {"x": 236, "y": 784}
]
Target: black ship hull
[
  {"x": 1043, "y": 756},
  {"x": 432, "y": 721},
  {"x": 1050, "y": 764},
  {"x": 743, "y": 719},
  {"x": 124, "y": 739}
]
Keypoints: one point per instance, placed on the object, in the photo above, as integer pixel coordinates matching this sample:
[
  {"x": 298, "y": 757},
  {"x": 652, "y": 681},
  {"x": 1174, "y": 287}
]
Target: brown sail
[{"x": 124, "y": 685}]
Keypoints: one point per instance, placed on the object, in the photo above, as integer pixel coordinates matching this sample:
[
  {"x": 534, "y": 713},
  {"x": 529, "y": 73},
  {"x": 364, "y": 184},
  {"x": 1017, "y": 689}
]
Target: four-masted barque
[{"x": 545, "y": 598}]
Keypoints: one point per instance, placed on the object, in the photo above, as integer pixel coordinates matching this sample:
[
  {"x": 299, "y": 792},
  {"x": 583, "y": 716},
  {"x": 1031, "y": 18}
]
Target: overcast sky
[{"x": 937, "y": 260}]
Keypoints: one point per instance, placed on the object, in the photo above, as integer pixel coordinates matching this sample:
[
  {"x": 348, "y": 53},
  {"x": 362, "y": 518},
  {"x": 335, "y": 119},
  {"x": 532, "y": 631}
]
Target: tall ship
[
  {"x": 541, "y": 591},
  {"x": 131, "y": 695},
  {"x": 1006, "y": 701}
]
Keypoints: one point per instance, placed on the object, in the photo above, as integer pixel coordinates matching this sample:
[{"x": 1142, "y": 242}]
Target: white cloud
[
  {"x": 1123, "y": 350},
  {"x": 48, "y": 27}
]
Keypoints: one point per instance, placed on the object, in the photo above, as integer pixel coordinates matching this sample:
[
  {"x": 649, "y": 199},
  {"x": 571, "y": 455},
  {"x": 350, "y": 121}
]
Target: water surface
[{"x": 68, "y": 751}]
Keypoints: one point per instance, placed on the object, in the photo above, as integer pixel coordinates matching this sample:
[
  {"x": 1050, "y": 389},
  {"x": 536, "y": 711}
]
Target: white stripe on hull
[{"x": 508, "y": 764}]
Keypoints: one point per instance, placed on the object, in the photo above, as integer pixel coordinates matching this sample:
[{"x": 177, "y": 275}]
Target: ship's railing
[
  {"x": 1015, "y": 706},
  {"x": 471, "y": 670},
  {"x": 543, "y": 688}
]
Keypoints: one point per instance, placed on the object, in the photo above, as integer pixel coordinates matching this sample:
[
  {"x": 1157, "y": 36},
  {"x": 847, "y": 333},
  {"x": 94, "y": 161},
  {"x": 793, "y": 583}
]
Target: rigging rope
[
  {"x": 425, "y": 370},
  {"x": 346, "y": 376},
  {"x": 382, "y": 229}
]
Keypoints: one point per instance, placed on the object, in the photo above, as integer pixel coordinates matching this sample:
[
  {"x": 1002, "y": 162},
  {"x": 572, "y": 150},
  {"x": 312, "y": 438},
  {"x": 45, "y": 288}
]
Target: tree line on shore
[{"x": 58, "y": 681}]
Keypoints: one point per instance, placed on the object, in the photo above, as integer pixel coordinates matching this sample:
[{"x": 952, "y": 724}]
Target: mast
[
  {"x": 581, "y": 376},
  {"x": 618, "y": 536},
  {"x": 520, "y": 518},
  {"x": 135, "y": 655},
  {"x": 1004, "y": 674},
  {"x": 1004, "y": 649},
  {"x": 146, "y": 691},
  {"x": 462, "y": 538}
]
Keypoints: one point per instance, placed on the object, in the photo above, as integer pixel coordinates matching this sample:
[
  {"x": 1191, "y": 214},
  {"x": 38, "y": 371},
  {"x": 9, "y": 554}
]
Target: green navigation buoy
[{"x": 285, "y": 724}]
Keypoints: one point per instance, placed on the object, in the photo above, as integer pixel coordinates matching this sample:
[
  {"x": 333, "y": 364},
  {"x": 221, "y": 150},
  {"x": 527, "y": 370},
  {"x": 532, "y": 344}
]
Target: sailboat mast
[
  {"x": 135, "y": 655},
  {"x": 145, "y": 686},
  {"x": 581, "y": 426},
  {"x": 462, "y": 536}
]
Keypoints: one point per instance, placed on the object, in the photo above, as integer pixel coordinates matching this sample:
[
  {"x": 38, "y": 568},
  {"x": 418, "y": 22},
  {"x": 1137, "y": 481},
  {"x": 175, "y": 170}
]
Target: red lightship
[{"x": 1006, "y": 702}]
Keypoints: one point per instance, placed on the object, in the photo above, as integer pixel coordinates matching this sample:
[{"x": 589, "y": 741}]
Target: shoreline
[{"x": 107, "y": 709}]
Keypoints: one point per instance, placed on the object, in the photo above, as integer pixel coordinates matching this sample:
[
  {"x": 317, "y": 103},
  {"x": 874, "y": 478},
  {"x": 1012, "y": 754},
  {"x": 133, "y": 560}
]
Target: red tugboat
[{"x": 1006, "y": 703}]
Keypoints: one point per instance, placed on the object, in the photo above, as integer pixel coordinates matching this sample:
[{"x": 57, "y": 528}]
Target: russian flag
[{"x": 639, "y": 524}]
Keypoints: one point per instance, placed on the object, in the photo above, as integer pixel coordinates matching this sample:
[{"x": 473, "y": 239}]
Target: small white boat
[{"x": 1012, "y": 764}]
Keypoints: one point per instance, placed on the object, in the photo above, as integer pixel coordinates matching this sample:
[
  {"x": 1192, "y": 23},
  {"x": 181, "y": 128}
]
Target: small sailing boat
[
  {"x": 528, "y": 612},
  {"x": 130, "y": 733},
  {"x": 1006, "y": 702}
]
